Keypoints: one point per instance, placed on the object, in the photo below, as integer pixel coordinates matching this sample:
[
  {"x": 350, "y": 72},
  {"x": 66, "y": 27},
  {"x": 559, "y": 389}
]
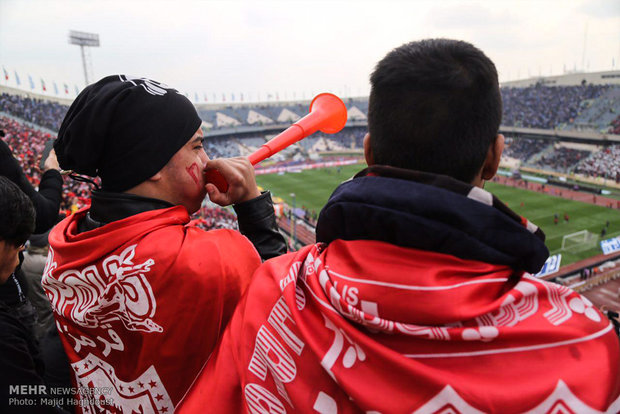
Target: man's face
[
  {"x": 9, "y": 259},
  {"x": 183, "y": 176}
]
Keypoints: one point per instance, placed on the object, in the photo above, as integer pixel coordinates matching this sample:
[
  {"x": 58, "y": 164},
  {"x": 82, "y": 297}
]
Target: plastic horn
[{"x": 328, "y": 114}]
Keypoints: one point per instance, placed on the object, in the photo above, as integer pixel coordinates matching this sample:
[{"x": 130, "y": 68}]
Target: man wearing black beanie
[{"x": 140, "y": 297}]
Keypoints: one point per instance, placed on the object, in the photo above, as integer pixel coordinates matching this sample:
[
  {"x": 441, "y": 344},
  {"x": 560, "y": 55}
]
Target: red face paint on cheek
[{"x": 194, "y": 172}]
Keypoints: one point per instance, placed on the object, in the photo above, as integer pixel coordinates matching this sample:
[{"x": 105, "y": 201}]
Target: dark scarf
[{"x": 431, "y": 212}]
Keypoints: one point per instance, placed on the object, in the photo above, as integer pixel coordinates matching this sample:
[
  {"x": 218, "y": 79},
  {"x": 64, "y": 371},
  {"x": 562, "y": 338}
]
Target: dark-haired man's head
[
  {"x": 17, "y": 217},
  {"x": 139, "y": 136},
  {"x": 435, "y": 106}
]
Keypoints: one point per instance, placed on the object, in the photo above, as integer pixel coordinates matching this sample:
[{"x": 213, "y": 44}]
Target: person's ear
[
  {"x": 156, "y": 177},
  {"x": 494, "y": 156},
  {"x": 368, "y": 151}
]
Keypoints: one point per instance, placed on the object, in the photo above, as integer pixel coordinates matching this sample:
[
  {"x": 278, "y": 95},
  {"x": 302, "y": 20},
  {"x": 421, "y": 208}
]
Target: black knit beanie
[{"x": 124, "y": 129}]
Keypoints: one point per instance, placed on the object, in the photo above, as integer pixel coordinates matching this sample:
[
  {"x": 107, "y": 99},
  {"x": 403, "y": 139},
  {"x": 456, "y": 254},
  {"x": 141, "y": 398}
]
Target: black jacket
[
  {"x": 46, "y": 201},
  {"x": 257, "y": 220},
  {"x": 22, "y": 385},
  {"x": 431, "y": 212}
]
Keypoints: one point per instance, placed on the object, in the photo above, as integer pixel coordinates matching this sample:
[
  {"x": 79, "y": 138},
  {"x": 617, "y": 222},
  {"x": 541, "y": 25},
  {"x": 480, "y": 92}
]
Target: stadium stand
[
  {"x": 599, "y": 114},
  {"x": 44, "y": 113},
  {"x": 547, "y": 107},
  {"x": 236, "y": 130},
  {"x": 212, "y": 217},
  {"x": 588, "y": 106},
  {"x": 604, "y": 163},
  {"x": 27, "y": 145},
  {"x": 222, "y": 148},
  {"x": 524, "y": 148},
  {"x": 561, "y": 159}
]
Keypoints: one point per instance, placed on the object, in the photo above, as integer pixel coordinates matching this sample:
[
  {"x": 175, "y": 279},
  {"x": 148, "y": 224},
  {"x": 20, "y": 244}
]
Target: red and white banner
[
  {"x": 140, "y": 303},
  {"x": 339, "y": 330}
]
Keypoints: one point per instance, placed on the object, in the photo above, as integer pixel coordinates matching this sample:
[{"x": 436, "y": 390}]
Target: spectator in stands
[
  {"x": 20, "y": 357},
  {"x": 47, "y": 200},
  {"x": 154, "y": 292},
  {"x": 417, "y": 296}
]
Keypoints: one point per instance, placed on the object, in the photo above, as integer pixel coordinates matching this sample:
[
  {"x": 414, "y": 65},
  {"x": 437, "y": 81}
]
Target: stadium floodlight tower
[{"x": 83, "y": 40}]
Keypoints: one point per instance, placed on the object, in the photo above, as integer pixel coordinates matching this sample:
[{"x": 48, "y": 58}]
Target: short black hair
[
  {"x": 434, "y": 106},
  {"x": 17, "y": 214}
]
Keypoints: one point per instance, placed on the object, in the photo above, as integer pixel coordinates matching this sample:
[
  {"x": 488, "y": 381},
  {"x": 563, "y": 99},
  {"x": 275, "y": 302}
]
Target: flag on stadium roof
[
  {"x": 31, "y": 82},
  {"x": 241, "y": 97},
  {"x": 66, "y": 89},
  {"x": 17, "y": 79},
  {"x": 196, "y": 97},
  {"x": 55, "y": 88},
  {"x": 6, "y": 74},
  {"x": 206, "y": 98},
  {"x": 77, "y": 90},
  {"x": 43, "y": 85}
]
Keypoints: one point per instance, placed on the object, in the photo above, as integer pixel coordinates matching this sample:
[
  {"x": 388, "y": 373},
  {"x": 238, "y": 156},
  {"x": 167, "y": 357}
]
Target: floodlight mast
[{"x": 83, "y": 39}]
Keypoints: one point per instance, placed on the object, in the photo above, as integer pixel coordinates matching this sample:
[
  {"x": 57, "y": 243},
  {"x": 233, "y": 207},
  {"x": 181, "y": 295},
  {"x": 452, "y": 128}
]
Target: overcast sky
[{"x": 293, "y": 48}]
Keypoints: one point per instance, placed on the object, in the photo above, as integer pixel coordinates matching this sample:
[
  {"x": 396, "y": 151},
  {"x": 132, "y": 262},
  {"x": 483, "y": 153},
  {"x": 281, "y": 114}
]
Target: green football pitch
[{"x": 312, "y": 188}]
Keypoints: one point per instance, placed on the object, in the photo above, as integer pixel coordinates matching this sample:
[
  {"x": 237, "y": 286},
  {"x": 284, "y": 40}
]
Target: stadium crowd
[
  {"x": 524, "y": 148},
  {"x": 213, "y": 217},
  {"x": 27, "y": 145},
  {"x": 533, "y": 107},
  {"x": 604, "y": 163},
  {"x": 224, "y": 147},
  {"x": 546, "y": 107},
  {"x": 348, "y": 138},
  {"x": 562, "y": 159},
  {"x": 38, "y": 111}
]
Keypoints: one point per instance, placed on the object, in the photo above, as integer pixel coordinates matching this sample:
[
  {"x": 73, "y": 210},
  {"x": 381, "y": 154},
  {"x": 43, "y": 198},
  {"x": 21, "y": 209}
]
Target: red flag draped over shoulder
[
  {"x": 338, "y": 330},
  {"x": 139, "y": 304}
]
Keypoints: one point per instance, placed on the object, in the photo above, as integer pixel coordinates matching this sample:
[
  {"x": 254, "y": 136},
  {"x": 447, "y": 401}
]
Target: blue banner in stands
[
  {"x": 552, "y": 265},
  {"x": 610, "y": 245}
]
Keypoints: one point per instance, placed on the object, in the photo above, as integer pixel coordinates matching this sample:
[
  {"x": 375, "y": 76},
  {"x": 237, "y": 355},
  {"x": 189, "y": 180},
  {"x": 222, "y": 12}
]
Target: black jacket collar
[
  {"x": 431, "y": 212},
  {"x": 107, "y": 207}
]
